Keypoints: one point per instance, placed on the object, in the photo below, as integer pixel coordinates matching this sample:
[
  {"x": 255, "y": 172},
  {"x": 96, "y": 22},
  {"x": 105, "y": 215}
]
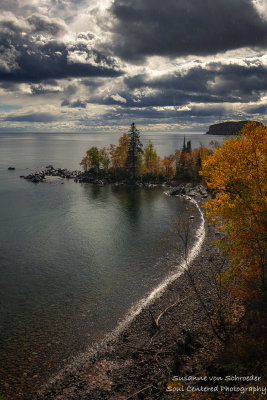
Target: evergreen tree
[
  {"x": 134, "y": 151},
  {"x": 188, "y": 147},
  {"x": 184, "y": 147}
]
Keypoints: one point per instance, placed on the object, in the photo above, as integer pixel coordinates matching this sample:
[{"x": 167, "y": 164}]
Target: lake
[{"x": 74, "y": 258}]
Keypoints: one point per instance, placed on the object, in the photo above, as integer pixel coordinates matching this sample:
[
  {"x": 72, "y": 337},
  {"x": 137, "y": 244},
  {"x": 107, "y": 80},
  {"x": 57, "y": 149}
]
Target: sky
[{"x": 99, "y": 65}]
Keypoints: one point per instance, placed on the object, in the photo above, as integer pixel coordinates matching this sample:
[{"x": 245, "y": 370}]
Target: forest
[{"x": 131, "y": 162}]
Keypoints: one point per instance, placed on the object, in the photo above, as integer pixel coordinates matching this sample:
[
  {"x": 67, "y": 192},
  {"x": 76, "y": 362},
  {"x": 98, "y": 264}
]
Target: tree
[
  {"x": 134, "y": 150},
  {"x": 188, "y": 147},
  {"x": 104, "y": 159},
  {"x": 236, "y": 173},
  {"x": 94, "y": 158},
  {"x": 152, "y": 160},
  {"x": 168, "y": 167},
  {"x": 119, "y": 155}
]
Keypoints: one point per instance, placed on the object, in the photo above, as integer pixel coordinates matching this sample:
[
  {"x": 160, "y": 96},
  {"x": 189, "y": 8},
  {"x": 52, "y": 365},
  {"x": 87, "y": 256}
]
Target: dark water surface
[{"x": 73, "y": 258}]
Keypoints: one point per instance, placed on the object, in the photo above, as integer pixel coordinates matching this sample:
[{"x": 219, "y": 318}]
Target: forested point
[
  {"x": 131, "y": 162},
  {"x": 228, "y": 127}
]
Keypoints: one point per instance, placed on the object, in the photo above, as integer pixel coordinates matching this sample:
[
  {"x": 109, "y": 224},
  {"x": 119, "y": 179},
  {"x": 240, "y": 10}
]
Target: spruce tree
[
  {"x": 188, "y": 147},
  {"x": 134, "y": 151},
  {"x": 184, "y": 147}
]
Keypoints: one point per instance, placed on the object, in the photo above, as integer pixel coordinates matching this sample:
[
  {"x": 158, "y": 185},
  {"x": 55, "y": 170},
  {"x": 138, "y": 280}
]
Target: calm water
[{"x": 73, "y": 258}]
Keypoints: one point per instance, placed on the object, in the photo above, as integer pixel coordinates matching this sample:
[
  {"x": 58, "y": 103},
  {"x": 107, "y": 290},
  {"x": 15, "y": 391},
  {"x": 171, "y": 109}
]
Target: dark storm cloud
[
  {"x": 162, "y": 98},
  {"x": 258, "y": 109},
  {"x": 29, "y": 57},
  {"x": 35, "y": 117},
  {"x": 41, "y": 90},
  {"x": 74, "y": 104},
  {"x": 177, "y": 28},
  {"x": 215, "y": 83},
  {"x": 150, "y": 115}
]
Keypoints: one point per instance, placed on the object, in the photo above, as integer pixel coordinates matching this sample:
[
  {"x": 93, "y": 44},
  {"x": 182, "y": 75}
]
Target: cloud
[
  {"x": 117, "y": 98},
  {"x": 74, "y": 104},
  {"x": 214, "y": 82},
  {"x": 29, "y": 52},
  {"x": 144, "y": 28},
  {"x": 94, "y": 59},
  {"x": 33, "y": 117},
  {"x": 66, "y": 9},
  {"x": 43, "y": 24}
]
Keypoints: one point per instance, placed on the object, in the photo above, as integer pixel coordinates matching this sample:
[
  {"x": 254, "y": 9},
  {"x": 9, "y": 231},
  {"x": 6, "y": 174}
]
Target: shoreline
[
  {"x": 101, "y": 373},
  {"x": 50, "y": 174}
]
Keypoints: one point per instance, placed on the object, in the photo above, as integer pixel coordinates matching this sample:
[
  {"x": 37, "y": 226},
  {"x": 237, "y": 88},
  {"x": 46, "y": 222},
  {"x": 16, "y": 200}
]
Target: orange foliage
[
  {"x": 168, "y": 165},
  {"x": 119, "y": 153},
  {"x": 236, "y": 172}
]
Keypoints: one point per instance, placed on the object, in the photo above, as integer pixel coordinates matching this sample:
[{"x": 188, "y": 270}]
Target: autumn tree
[
  {"x": 92, "y": 159},
  {"x": 236, "y": 173},
  {"x": 168, "y": 166},
  {"x": 134, "y": 151},
  {"x": 119, "y": 155},
  {"x": 96, "y": 160},
  {"x": 104, "y": 159},
  {"x": 151, "y": 158}
]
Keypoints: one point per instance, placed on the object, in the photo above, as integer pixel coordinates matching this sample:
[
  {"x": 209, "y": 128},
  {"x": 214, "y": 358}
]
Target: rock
[
  {"x": 35, "y": 179},
  {"x": 11, "y": 168},
  {"x": 49, "y": 167},
  {"x": 192, "y": 193}
]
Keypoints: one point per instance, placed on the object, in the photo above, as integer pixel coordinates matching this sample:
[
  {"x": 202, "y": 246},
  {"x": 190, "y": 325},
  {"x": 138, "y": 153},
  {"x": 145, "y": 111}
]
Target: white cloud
[{"x": 118, "y": 98}]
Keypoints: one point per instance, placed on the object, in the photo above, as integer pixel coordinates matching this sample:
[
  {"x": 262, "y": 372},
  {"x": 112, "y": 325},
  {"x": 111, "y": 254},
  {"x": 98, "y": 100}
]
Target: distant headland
[{"x": 227, "y": 128}]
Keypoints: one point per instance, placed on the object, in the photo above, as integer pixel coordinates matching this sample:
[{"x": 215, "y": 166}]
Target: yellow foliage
[{"x": 236, "y": 172}]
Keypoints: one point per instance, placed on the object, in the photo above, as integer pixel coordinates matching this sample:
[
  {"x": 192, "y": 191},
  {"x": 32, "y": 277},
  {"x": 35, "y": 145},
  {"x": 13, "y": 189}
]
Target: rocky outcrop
[
  {"x": 227, "y": 128},
  {"x": 50, "y": 171},
  {"x": 198, "y": 192}
]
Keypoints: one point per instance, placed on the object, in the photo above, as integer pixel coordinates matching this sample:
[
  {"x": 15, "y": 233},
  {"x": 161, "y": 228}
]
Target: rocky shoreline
[
  {"x": 159, "y": 342},
  {"x": 196, "y": 191}
]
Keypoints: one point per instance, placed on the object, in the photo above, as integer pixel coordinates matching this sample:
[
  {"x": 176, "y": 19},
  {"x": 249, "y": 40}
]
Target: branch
[
  {"x": 139, "y": 391},
  {"x": 169, "y": 308}
]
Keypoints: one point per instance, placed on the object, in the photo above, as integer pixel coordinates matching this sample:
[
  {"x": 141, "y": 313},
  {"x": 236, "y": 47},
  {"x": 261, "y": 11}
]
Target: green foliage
[{"x": 129, "y": 161}]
